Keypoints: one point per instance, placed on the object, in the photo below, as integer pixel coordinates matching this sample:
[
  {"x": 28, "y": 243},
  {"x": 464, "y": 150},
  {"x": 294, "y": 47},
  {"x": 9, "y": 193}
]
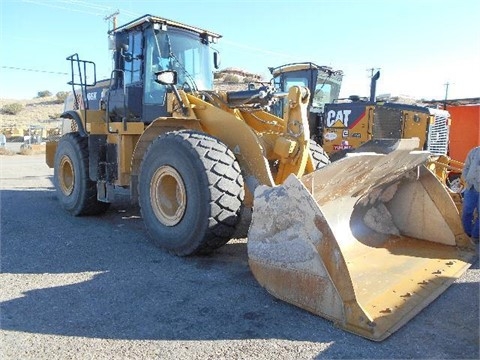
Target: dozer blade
[{"x": 367, "y": 241}]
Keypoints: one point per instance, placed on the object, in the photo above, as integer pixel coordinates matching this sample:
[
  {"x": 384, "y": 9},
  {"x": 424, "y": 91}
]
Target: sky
[{"x": 419, "y": 46}]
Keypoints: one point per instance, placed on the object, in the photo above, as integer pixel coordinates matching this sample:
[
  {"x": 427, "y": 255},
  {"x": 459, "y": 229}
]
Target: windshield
[
  {"x": 324, "y": 88},
  {"x": 327, "y": 90},
  {"x": 181, "y": 51}
]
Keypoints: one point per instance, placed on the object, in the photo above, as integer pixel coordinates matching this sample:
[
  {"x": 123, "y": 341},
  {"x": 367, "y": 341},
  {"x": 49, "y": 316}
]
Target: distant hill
[
  {"x": 231, "y": 79},
  {"x": 45, "y": 111},
  {"x": 38, "y": 111}
]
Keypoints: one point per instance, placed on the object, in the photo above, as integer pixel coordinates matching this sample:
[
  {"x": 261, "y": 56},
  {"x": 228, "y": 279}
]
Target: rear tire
[
  {"x": 75, "y": 191},
  {"x": 190, "y": 192},
  {"x": 340, "y": 154},
  {"x": 320, "y": 157}
]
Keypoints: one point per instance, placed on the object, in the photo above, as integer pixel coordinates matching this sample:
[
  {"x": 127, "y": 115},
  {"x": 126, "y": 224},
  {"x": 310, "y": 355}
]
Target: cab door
[
  {"x": 125, "y": 95},
  {"x": 156, "y": 59}
]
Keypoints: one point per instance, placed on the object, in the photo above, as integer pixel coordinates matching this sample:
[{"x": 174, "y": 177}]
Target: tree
[{"x": 44, "y": 93}]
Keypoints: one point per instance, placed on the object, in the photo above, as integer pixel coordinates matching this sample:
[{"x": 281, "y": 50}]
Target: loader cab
[
  {"x": 148, "y": 45},
  {"x": 322, "y": 82}
]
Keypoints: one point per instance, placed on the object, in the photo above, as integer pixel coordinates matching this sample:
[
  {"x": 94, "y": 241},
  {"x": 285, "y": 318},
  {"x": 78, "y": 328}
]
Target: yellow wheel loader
[
  {"x": 341, "y": 125},
  {"x": 367, "y": 241}
]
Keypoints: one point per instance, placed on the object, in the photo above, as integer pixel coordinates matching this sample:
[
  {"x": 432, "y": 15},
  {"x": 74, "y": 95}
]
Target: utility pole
[
  {"x": 446, "y": 95},
  {"x": 111, "y": 45},
  {"x": 372, "y": 71},
  {"x": 114, "y": 19}
]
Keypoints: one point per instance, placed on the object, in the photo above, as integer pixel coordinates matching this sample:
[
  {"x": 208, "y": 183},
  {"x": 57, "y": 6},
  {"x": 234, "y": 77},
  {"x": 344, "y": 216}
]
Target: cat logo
[{"x": 338, "y": 118}]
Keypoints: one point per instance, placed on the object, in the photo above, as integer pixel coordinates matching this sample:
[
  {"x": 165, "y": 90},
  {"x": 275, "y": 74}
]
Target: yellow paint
[
  {"x": 50, "y": 149},
  {"x": 416, "y": 125}
]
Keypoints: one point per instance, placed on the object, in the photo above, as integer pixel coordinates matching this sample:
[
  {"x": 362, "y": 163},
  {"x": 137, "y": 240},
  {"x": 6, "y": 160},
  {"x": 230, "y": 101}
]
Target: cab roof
[
  {"x": 158, "y": 20},
  {"x": 302, "y": 66}
]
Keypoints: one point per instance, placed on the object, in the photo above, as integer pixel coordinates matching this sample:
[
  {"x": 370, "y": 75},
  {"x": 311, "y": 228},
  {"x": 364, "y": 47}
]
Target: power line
[
  {"x": 84, "y": 7},
  {"x": 78, "y": 6},
  {"x": 102, "y": 8},
  {"x": 95, "y": 6},
  {"x": 34, "y": 70},
  {"x": 52, "y": 5}
]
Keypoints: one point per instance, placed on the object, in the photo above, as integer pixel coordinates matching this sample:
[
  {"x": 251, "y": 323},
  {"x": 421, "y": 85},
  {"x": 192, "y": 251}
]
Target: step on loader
[{"x": 367, "y": 241}]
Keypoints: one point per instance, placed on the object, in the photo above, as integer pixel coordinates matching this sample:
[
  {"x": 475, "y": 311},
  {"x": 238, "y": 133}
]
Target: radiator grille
[
  {"x": 387, "y": 123},
  {"x": 438, "y": 133}
]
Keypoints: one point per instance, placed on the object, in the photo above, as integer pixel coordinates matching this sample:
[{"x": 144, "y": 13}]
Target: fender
[{"x": 77, "y": 117}]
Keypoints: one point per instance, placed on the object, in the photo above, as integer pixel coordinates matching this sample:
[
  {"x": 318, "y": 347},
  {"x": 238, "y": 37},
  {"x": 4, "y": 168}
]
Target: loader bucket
[{"x": 367, "y": 241}]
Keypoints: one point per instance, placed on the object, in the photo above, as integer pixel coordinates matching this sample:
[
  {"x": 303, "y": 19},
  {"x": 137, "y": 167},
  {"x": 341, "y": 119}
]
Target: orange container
[{"x": 464, "y": 130}]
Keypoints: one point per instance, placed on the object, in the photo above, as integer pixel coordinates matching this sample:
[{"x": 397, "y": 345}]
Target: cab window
[{"x": 133, "y": 69}]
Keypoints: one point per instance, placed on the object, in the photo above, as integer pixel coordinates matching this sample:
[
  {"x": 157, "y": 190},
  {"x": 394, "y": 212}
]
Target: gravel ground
[{"x": 95, "y": 288}]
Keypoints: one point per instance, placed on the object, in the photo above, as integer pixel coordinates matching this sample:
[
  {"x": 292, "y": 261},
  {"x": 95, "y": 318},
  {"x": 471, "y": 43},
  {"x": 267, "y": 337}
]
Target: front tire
[
  {"x": 75, "y": 191},
  {"x": 190, "y": 192}
]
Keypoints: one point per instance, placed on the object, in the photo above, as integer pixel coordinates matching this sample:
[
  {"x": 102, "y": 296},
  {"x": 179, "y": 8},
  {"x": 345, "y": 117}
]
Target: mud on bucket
[{"x": 367, "y": 241}]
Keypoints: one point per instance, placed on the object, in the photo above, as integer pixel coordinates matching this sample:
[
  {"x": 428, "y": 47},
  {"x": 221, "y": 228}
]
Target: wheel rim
[
  {"x": 66, "y": 175},
  {"x": 168, "y": 196}
]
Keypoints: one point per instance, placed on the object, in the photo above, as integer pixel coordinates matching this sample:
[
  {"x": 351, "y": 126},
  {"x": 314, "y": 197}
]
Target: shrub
[
  {"x": 44, "y": 93},
  {"x": 247, "y": 80},
  {"x": 5, "y": 151},
  {"x": 61, "y": 96},
  {"x": 12, "y": 109},
  {"x": 26, "y": 150},
  {"x": 230, "y": 78}
]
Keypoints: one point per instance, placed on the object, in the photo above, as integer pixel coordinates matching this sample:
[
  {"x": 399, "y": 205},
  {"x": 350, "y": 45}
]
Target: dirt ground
[{"x": 96, "y": 288}]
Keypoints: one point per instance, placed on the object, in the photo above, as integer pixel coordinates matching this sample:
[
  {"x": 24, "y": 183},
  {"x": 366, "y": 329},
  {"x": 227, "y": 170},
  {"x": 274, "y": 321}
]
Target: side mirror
[
  {"x": 216, "y": 59},
  {"x": 166, "y": 77},
  {"x": 127, "y": 56}
]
